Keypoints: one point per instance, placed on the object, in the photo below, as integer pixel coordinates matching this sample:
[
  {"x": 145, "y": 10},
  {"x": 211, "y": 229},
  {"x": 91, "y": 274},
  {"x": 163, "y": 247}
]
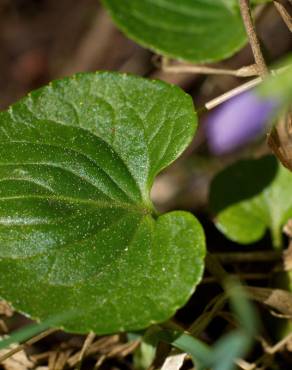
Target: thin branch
[
  {"x": 238, "y": 90},
  {"x": 242, "y": 276},
  {"x": 216, "y": 269},
  {"x": 278, "y": 346},
  {"x": 87, "y": 343},
  {"x": 258, "y": 256},
  {"x": 27, "y": 343},
  {"x": 230, "y": 94},
  {"x": 244, "y": 365},
  {"x": 270, "y": 351},
  {"x": 253, "y": 39},
  {"x": 246, "y": 71},
  {"x": 284, "y": 14},
  {"x": 201, "y": 322}
]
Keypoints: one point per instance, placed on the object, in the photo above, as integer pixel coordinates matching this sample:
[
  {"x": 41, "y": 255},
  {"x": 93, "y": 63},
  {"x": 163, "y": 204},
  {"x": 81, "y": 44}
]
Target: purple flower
[{"x": 238, "y": 121}]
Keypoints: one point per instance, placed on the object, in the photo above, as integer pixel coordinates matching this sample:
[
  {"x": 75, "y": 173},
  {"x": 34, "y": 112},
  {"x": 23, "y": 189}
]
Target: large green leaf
[
  {"x": 77, "y": 228},
  {"x": 250, "y": 196},
  {"x": 194, "y": 30}
]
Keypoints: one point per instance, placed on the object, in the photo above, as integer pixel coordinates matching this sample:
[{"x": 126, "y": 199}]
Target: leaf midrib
[
  {"x": 74, "y": 150},
  {"x": 92, "y": 202}
]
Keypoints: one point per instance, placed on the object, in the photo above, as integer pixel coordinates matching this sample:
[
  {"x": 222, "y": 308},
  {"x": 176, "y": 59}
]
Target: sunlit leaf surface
[
  {"x": 194, "y": 30},
  {"x": 78, "y": 232}
]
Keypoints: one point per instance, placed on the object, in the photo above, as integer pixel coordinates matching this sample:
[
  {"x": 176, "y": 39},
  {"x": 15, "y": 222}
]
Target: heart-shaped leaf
[
  {"x": 78, "y": 231},
  {"x": 250, "y": 196},
  {"x": 197, "y": 30}
]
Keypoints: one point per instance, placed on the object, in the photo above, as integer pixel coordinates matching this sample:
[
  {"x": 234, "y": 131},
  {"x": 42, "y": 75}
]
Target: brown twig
[
  {"x": 5, "y": 309},
  {"x": 253, "y": 39},
  {"x": 3, "y": 326},
  {"x": 246, "y": 276},
  {"x": 246, "y": 71},
  {"x": 52, "y": 360},
  {"x": 278, "y": 346},
  {"x": 27, "y": 343},
  {"x": 200, "y": 324},
  {"x": 244, "y": 365},
  {"x": 101, "y": 345},
  {"x": 216, "y": 269},
  {"x": 230, "y": 94},
  {"x": 284, "y": 14},
  {"x": 238, "y": 90},
  {"x": 61, "y": 359},
  {"x": 257, "y": 256},
  {"x": 87, "y": 343},
  {"x": 270, "y": 351}
]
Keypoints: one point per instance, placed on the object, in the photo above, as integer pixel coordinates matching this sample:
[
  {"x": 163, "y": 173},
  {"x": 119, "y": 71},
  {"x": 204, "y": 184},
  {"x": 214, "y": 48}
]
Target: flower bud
[{"x": 238, "y": 121}]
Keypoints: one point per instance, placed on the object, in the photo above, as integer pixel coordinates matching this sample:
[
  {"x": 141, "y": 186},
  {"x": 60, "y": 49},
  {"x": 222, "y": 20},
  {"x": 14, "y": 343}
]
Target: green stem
[{"x": 277, "y": 237}]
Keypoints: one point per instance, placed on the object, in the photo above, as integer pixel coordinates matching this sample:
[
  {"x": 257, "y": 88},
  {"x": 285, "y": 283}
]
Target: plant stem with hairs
[
  {"x": 284, "y": 14},
  {"x": 253, "y": 39}
]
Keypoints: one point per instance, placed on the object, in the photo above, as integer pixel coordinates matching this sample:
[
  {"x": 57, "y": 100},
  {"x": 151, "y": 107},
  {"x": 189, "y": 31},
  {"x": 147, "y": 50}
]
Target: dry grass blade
[
  {"x": 40, "y": 356},
  {"x": 203, "y": 320},
  {"x": 52, "y": 360},
  {"x": 267, "y": 358},
  {"x": 61, "y": 359},
  {"x": 231, "y": 93},
  {"x": 99, "y": 346},
  {"x": 178, "y": 67},
  {"x": 244, "y": 365},
  {"x": 246, "y": 276},
  {"x": 252, "y": 36},
  {"x": 124, "y": 350},
  {"x": 87, "y": 343},
  {"x": 19, "y": 361},
  {"x": 284, "y": 14},
  {"x": 252, "y": 257},
  {"x": 278, "y": 346},
  {"x": 5, "y": 309},
  {"x": 3, "y": 327},
  {"x": 277, "y": 299},
  {"x": 174, "y": 362},
  {"x": 99, "y": 362},
  {"x": 27, "y": 343},
  {"x": 121, "y": 350}
]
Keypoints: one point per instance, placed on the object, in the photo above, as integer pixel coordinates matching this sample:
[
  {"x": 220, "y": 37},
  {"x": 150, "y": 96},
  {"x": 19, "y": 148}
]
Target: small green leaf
[
  {"x": 197, "y": 30},
  {"x": 250, "y": 196},
  {"x": 77, "y": 228}
]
